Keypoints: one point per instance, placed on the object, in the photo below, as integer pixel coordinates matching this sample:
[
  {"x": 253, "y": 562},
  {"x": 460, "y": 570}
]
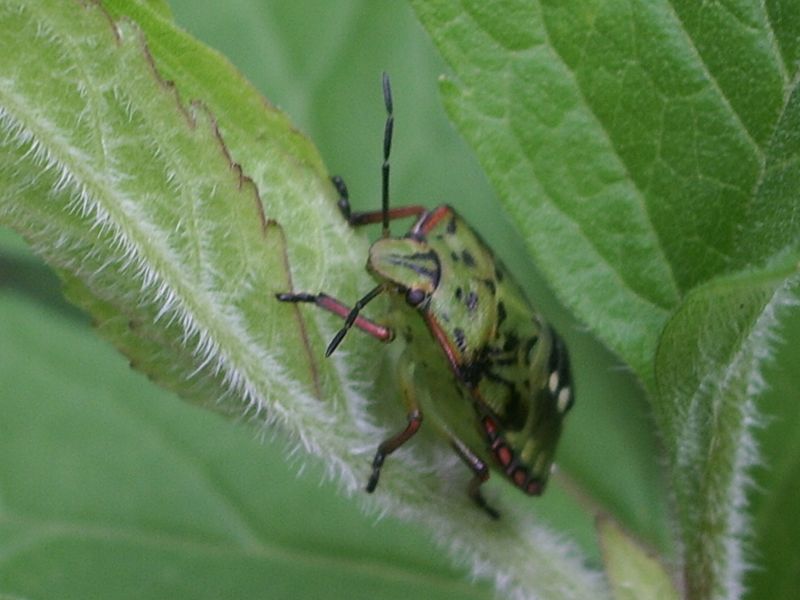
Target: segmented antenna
[
  {"x": 351, "y": 318},
  {"x": 387, "y": 148}
]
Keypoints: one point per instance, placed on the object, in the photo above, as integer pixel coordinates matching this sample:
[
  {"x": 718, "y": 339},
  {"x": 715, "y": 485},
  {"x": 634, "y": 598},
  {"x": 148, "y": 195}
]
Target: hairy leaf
[
  {"x": 648, "y": 151},
  {"x": 113, "y": 488},
  {"x": 139, "y": 202},
  {"x": 776, "y": 536}
]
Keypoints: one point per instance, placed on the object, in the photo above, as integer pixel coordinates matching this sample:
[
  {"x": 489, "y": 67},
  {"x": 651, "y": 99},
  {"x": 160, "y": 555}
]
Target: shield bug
[{"x": 496, "y": 376}]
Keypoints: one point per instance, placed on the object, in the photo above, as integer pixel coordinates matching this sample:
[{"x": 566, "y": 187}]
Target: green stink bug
[{"x": 511, "y": 384}]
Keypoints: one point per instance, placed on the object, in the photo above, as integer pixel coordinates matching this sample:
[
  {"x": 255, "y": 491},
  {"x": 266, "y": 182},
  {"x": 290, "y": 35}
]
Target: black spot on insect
[
  {"x": 501, "y": 313},
  {"x": 471, "y": 301},
  {"x": 438, "y": 237},
  {"x": 454, "y": 256},
  {"x": 468, "y": 259},
  {"x": 552, "y": 363},
  {"x": 514, "y": 413},
  {"x": 490, "y": 284},
  {"x": 470, "y": 374},
  {"x": 500, "y": 357},
  {"x": 418, "y": 269},
  {"x": 429, "y": 255},
  {"x": 451, "y": 225},
  {"x": 461, "y": 340},
  {"x": 511, "y": 343},
  {"x": 473, "y": 372},
  {"x": 412, "y": 261},
  {"x": 494, "y": 351},
  {"x": 498, "y": 274},
  {"x": 459, "y": 293}
]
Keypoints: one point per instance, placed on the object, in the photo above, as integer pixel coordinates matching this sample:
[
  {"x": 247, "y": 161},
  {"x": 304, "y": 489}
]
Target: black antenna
[
  {"x": 351, "y": 318},
  {"x": 387, "y": 148}
]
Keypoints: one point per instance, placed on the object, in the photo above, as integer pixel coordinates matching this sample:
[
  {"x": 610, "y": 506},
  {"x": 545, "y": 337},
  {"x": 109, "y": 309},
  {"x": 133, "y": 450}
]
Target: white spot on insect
[
  {"x": 564, "y": 397},
  {"x": 552, "y": 383}
]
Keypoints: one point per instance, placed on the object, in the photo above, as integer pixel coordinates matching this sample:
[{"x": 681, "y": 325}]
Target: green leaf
[
  {"x": 119, "y": 205},
  {"x": 160, "y": 7},
  {"x": 112, "y": 488},
  {"x": 778, "y": 479},
  {"x": 137, "y": 201},
  {"x": 600, "y": 145},
  {"x": 608, "y": 450},
  {"x": 634, "y": 573},
  {"x": 708, "y": 374},
  {"x": 649, "y": 153}
]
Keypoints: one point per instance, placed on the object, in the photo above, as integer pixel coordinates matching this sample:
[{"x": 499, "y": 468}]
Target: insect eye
[{"x": 415, "y": 296}]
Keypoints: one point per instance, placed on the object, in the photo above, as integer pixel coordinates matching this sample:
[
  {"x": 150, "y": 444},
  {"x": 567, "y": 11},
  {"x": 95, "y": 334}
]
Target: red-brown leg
[
  {"x": 376, "y": 216},
  {"x": 380, "y": 332},
  {"x": 357, "y": 219},
  {"x": 393, "y": 443},
  {"x": 481, "y": 471}
]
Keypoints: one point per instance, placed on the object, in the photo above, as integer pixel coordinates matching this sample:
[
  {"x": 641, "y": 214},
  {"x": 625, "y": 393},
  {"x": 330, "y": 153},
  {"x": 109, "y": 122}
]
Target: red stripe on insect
[
  {"x": 520, "y": 476},
  {"x": 504, "y": 455},
  {"x": 453, "y": 356},
  {"x": 432, "y": 219},
  {"x": 534, "y": 488},
  {"x": 490, "y": 427}
]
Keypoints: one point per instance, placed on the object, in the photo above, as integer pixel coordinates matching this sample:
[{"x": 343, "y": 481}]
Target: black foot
[
  {"x": 288, "y": 297},
  {"x": 481, "y": 502},
  {"x": 474, "y": 492},
  {"x": 377, "y": 463}
]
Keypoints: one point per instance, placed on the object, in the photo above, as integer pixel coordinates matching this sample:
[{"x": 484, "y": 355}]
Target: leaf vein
[
  {"x": 706, "y": 69},
  {"x": 640, "y": 195}
]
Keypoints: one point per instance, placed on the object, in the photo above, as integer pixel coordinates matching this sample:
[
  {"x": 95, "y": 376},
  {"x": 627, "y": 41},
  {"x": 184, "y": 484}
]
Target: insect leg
[
  {"x": 344, "y": 198},
  {"x": 385, "y": 214},
  {"x": 380, "y": 332},
  {"x": 356, "y": 219},
  {"x": 387, "y": 149},
  {"x": 376, "y": 216},
  {"x": 352, "y": 317},
  {"x": 481, "y": 471},
  {"x": 391, "y": 444}
]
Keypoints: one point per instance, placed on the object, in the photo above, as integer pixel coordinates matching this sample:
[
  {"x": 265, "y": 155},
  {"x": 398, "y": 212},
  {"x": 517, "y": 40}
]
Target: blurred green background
[{"x": 145, "y": 496}]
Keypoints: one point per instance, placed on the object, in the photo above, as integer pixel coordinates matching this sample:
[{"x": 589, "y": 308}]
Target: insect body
[{"x": 509, "y": 384}]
